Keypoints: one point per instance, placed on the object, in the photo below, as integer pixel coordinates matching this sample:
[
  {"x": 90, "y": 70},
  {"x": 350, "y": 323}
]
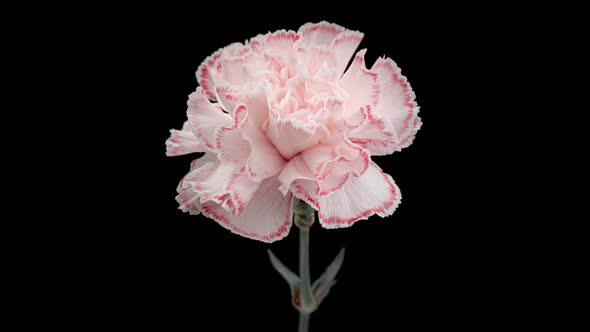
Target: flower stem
[
  {"x": 307, "y": 299},
  {"x": 304, "y": 216},
  {"x": 303, "y": 322}
]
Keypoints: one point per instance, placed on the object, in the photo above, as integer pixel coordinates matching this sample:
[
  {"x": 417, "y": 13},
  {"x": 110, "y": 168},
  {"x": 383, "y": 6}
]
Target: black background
[{"x": 491, "y": 234}]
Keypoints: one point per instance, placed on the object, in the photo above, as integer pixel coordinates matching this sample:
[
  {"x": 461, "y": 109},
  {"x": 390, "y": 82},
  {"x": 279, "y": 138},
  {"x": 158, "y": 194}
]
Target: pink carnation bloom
[{"x": 280, "y": 117}]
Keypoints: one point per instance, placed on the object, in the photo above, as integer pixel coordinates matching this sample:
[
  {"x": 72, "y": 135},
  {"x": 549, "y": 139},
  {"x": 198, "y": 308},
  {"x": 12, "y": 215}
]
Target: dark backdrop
[{"x": 492, "y": 232}]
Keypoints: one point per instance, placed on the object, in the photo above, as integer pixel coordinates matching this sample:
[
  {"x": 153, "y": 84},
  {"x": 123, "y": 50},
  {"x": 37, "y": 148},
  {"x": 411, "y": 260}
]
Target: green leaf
[
  {"x": 291, "y": 278},
  {"x": 321, "y": 287}
]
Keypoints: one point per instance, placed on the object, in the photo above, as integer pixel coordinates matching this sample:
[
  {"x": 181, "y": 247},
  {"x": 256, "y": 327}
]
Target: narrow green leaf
[{"x": 288, "y": 275}]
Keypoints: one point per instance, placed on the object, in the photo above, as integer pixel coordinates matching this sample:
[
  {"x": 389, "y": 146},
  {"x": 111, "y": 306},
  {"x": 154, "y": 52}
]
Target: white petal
[
  {"x": 374, "y": 192},
  {"x": 397, "y": 102},
  {"x": 183, "y": 142},
  {"x": 205, "y": 117},
  {"x": 267, "y": 217}
]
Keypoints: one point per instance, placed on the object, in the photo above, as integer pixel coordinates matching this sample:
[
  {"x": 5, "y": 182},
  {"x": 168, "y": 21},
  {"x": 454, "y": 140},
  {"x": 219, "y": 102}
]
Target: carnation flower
[{"x": 281, "y": 116}]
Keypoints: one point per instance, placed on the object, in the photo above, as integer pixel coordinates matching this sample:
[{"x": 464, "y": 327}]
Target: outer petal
[
  {"x": 205, "y": 117},
  {"x": 201, "y": 169},
  {"x": 240, "y": 190},
  {"x": 321, "y": 170},
  {"x": 322, "y": 33},
  {"x": 233, "y": 64},
  {"x": 267, "y": 217},
  {"x": 183, "y": 142},
  {"x": 280, "y": 43},
  {"x": 212, "y": 181},
  {"x": 361, "y": 85},
  {"x": 374, "y": 192},
  {"x": 212, "y": 184},
  {"x": 374, "y": 133},
  {"x": 206, "y": 71},
  {"x": 397, "y": 102},
  {"x": 344, "y": 46},
  {"x": 332, "y": 166}
]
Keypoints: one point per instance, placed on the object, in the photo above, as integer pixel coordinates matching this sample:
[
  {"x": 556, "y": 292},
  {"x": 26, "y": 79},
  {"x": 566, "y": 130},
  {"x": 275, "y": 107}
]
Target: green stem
[
  {"x": 303, "y": 322},
  {"x": 304, "y": 216},
  {"x": 307, "y": 299}
]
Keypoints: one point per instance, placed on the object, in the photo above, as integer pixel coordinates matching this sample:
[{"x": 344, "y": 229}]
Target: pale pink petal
[
  {"x": 322, "y": 159},
  {"x": 315, "y": 59},
  {"x": 244, "y": 143},
  {"x": 397, "y": 102},
  {"x": 280, "y": 43},
  {"x": 212, "y": 181},
  {"x": 257, "y": 43},
  {"x": 344, "y": 46},
  {"x": 230, "y": 142},
  {"x": 227, "y": 97},
  {"x": 267, "y": 217},
  {"x": 264, "y": 161},
  {"x": 183, "y": 142},
  {"x": 361, "y": 85},
  {"x": 374, "y": 133},
  {"x": 208, "y": 157},
  {"x": 206, "y": 71},
  {"x": 256, "y": 102},
  {"x": 291, "y": 136},
  {"x": 330, "y": 115},
  {"x": 201, "y": 169},
  {"x": 233, "y": 62},
  {"x": 322, "y": 33},
  {"x": 240, "y": 189},
  {"x": 205, "y": 117},
  {"x": 374, "y": 192},
  {"x": 353, "y": 161},
  {"x": 211, "y": 187},
  {"x": 298, "y": 178}
]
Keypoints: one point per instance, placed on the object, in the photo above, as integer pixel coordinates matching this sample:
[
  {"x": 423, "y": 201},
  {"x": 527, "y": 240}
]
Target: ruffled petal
[
  {"x": 374, "y": 133},
  {"x": 183, "y": 142},
  {"x": 231, "y": 145},
  {"x": 233, "y": 63},
  {"x": 373, "y": 192},
  {"x": 227, "y": 97},
  {"x": 201, "y": 169},
  {"x": 322, "y": 170},
  {"x": 244, "y": 144},
  {"x": 344, "y": 46},
  {"x": 213, "y": 181},
  {"x": 256, "y": 102},
  {"x": 267, "y": 217},
  {"x": 240, "y": 190},
  {"x": 298, "y": 178},
  {"x": 291, "y": 136},
  {"x": 352, "y": 161},
  {"x": 397, "y": 102},
  {"x": 280, "y": 43},
  {"x": 322, "y": 33},
  {"x": 206, "y": 71},
  {"x": 204, "y": 118},
  {"x": 210, "y": 186},
  {"x": 332, "y": 166},
  {"x": 361, "y": 85}
]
